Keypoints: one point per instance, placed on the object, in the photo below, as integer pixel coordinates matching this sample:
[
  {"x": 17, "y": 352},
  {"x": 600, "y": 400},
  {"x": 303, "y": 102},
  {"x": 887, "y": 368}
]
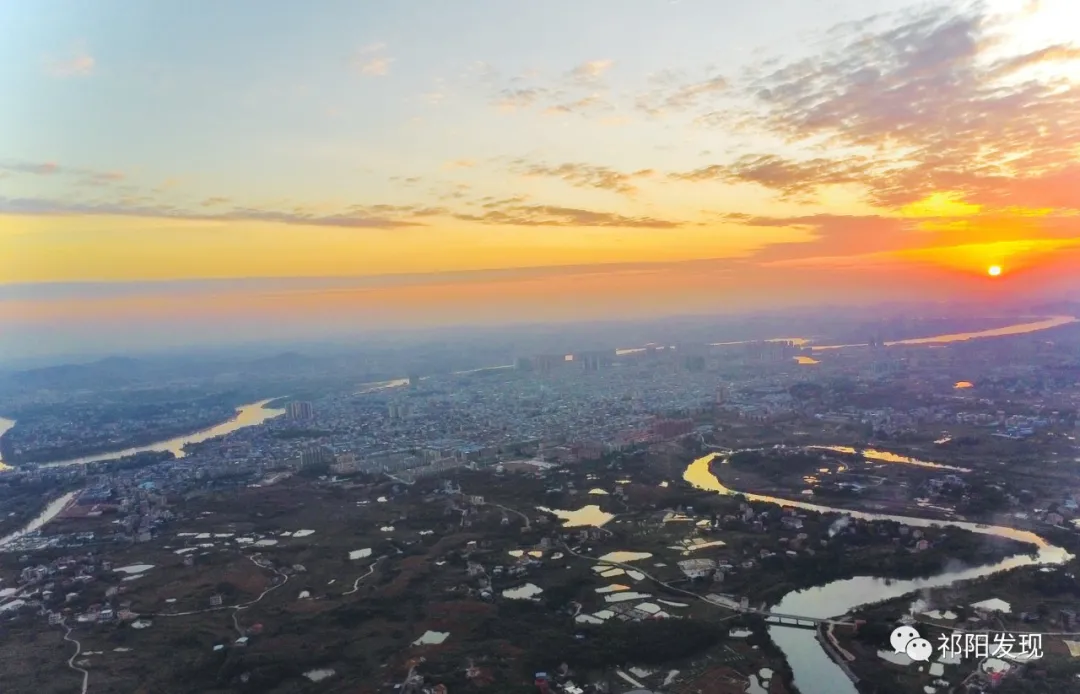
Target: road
[
  {"x": 78, "y": 649},
  {"x": 654, "y": 579},
  {"x": 254, "y": 558},
  {"x": 356, "y": 583},
  {"x": 236, "y": 611},
  {"x": 528, "y": 523}
]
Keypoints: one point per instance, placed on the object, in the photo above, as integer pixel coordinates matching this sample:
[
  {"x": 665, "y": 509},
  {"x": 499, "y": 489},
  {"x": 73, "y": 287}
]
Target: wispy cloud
[
  {"x": 372, "y": 60},
  {"x": 792, "y": 178},
  {"x": 84, "y": 176},
  {"x": 39, "y": 169},
  {"x": 591, "y": 71},
  {"x": 586, "y": 105},
  {"x": 672, "y": 92},
  {"x": 77, "y": 63},
  {"x": 580, "y": 91},
  {"x": 936, "y": 103},
  {"x": 584, "y": 175},
  {"x": 515, "y": 214},
  {"x": 522, "y": 98},
  {"x": 356, "y": 217}
]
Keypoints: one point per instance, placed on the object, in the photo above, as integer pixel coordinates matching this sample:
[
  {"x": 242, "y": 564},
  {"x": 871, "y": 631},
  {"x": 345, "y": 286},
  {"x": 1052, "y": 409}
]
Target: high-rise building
[
  {"x": 545, "y": 363},
  {"x": 299, "y": 410},
  {"x": 316, "y": 455},
  {"x": 594, "y": 360},
  {"x": 694, "y": 362}
]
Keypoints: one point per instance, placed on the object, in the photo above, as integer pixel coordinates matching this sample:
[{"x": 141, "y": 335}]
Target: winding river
[
  {"x": 814, "y": 672},
  {"x": 248, "y": 415}
]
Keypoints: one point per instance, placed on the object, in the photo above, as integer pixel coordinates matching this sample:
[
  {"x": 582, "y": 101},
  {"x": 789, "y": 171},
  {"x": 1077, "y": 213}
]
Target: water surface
[
  {"x": 814, "y": 672},
  {"x": 246, "y": 416}
]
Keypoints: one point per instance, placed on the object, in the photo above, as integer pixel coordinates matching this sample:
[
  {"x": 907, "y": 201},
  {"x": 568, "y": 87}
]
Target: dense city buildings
[{"x": 976, "y": 431}]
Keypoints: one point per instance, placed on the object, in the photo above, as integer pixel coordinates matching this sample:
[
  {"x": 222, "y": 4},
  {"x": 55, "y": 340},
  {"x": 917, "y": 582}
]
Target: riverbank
[
  {"x": 1032, "y": 600},
  {"x": 51, "y": 510},
  {"x": 248, "y": 415},
  {"x": 55, "y": 455},
  {"x": 814, "y": 672},
  {"x": 24, "y": 502}
]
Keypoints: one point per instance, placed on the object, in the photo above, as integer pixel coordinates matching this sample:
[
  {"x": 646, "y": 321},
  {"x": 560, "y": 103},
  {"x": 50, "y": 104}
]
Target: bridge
[
  {"x": 794, "y": 620},
  {"x": 779, "y": 618},
  {"x": 790, "y": 620}
]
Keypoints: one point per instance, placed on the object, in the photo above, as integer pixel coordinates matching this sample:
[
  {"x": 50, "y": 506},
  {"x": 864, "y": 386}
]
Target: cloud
[
  {"x": 85, "y": 176},
  {"x": 357, "y": 217},
  {"x": 933, "y": 100},
  {"x": 791, "y": 178},
  {"x": 586, "y": 105},
  {"x": 830, "y": 237},
  {"x": 516, "y": 99},
  {"x": 39, "y": 169},
  {"x": 591, "y": 71},
  {"x": 513, "y": 214},
  {"x": 671, "y": 92},
  {"x": 375, "y": 67},
  {"x": 78, "y": 63},
  {"x": 584, "y": 175},
  {"x": 460, "y": 164},
  {"x": 580, "y": 91},
  {"x": 371, "y": 61},
  {"x": 834, "y": 235},
  {"x": 101, "y": 178}
]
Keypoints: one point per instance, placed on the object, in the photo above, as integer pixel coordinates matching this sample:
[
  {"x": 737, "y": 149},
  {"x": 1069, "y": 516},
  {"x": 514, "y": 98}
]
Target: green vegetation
[
  {"x": 776, "y": 466},
  {"x": 616, "y": 643}
]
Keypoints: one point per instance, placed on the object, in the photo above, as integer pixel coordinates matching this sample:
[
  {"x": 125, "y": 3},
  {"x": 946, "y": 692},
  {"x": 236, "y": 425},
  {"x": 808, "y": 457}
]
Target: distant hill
[{"x": 116, "y": 371}]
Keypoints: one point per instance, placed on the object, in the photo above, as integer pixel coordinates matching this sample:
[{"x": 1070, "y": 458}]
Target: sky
[{"x": 174, "y": 168}]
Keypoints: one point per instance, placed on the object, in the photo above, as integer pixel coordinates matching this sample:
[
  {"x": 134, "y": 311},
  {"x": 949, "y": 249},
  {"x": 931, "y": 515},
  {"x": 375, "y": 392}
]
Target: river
[
  {"x": 51, "y": 511},
  {"x": 814, "y": 672},
  {"x": 255, "y": 413},
  {"x": 5, "y": 426},
  {"x": 1017, "y": 329},
  {"x": 248, "y": 415}
]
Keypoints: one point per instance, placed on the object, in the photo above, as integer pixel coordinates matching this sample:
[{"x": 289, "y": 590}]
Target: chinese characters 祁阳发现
[{"x": 987, "y": 645}]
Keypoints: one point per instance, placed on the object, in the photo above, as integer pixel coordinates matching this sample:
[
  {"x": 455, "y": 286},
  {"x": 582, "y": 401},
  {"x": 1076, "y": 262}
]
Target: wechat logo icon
[{"x": 905, "y": 639}]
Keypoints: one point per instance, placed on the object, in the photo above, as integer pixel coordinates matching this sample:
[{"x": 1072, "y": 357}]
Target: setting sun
[{"x": 994, "y": 270}]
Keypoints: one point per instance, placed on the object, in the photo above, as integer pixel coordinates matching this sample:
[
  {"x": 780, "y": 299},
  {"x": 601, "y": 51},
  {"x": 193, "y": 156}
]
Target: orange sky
[{"x": 748, "y": 164}]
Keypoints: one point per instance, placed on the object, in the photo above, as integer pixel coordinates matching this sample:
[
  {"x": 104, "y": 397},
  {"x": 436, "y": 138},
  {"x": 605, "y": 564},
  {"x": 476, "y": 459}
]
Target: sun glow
[{"x": 993, "y": 270}]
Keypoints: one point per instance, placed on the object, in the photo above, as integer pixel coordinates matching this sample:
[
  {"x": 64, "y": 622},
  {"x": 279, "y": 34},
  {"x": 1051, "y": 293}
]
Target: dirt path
[
  {"x": 528, "y": 523},
  {"x": 356, "y": 583},
  {"x": 254, "y": 558},
  {"x": 71, "y": 661}
]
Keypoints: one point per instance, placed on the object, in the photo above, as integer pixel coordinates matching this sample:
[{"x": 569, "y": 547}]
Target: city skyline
[{"x": 478, "y": 164}]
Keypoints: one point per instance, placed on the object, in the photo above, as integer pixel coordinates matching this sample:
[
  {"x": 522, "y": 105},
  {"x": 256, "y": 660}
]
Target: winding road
[
  {"x": 356, "y": 583},
  {"x": 78, "y": 649},
  {"x": 528, "y": 523},
  {"x": 239, "y": 606}
]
